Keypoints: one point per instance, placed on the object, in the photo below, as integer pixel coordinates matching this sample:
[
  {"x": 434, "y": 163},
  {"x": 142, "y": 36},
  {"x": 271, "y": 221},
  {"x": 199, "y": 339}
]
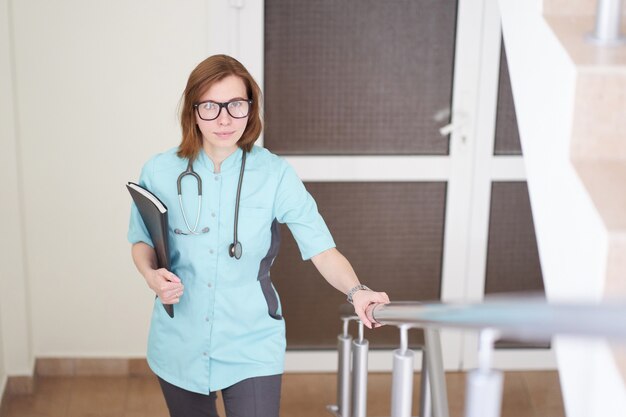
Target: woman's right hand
[{"x": 167, "y": 286}]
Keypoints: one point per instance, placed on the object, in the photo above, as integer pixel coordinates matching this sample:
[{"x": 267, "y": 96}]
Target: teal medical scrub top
[{"x": 228, "y": 325}]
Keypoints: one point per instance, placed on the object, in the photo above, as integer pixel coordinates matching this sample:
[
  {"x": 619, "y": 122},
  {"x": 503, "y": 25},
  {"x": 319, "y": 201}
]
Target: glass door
[{"x": 384, "y": 109}]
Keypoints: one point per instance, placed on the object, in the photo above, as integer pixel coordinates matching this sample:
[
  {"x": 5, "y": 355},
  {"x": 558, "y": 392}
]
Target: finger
[
  {"x": 360, "y": 312},
  {"x": 364, "y": 319},
  {"x": 381, "y": 297},
  {"x": 171, "y": 300},
  {"x": 168, "y": 275},
  {"x": 168, "y": 292},
  {"x": 176, "y": 293},
  {"x": 172, "y": 286},
  {"x": 167, "y": 287},
  {"x": 172, "y": 277},
  {"x": 175, "y": 286},
  {"x": 370, "y": 314}
]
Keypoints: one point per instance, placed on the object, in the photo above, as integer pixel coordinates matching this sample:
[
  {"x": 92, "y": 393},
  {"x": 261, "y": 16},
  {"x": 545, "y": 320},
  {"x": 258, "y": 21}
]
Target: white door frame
[
  {"x": 468, "y": 170},
  {"x": 487, "y": 169}
]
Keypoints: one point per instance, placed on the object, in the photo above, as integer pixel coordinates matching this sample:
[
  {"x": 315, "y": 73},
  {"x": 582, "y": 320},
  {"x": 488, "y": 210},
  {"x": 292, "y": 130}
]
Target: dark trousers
[{"x": 252, "y": 397}]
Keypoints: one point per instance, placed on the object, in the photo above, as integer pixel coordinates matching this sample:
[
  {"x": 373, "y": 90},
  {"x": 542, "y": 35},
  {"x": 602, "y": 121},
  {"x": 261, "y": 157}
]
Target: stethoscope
[{"x": 234, "y": 250}]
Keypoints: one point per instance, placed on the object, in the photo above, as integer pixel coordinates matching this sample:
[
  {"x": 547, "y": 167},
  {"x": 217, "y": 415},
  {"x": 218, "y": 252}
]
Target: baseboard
[
  {"x": 91, "y": 367},
  {"x": 20, "y": 385},
  {"x": 3, "y": 397}
]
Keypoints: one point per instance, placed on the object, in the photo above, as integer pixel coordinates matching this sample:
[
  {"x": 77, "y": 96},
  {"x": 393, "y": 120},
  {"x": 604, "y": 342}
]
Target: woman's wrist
[{"x": 354, "y": 290}]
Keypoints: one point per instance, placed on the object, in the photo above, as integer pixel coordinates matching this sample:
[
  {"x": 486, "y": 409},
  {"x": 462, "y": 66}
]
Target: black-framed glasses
[{"x": 210, "y": 110}]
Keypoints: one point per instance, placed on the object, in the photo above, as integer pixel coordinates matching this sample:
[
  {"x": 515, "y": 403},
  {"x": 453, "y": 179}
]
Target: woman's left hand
[{"x": 363, "y": 299}]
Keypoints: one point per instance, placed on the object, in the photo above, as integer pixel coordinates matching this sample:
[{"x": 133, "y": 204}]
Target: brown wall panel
[
  {"x": 357, "y": 76},
  {"x": 507, "y": 140},
  {"x": 392, "y": 233}
]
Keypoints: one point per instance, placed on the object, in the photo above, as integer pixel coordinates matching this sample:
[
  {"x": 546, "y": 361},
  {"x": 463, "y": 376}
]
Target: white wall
[
  {"x": 3, "y": 372},
  {"x": 3, "y": 137},
  {"x": 15, "y": 326},
  {"x": 571, "y": 238},
  {"x": 97, "y": 86}
]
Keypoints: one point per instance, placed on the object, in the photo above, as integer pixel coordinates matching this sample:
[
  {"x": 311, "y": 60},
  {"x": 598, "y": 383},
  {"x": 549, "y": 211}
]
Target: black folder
[{"x": 154, "y": 215}]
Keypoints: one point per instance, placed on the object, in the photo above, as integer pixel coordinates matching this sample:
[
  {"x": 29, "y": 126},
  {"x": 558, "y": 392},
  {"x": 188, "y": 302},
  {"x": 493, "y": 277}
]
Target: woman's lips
[{"x": 224, "y": 135}]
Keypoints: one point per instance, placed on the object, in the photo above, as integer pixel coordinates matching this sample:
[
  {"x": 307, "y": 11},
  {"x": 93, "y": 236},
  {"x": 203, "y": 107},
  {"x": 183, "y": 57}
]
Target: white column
[{"x": 571, "y": 238}]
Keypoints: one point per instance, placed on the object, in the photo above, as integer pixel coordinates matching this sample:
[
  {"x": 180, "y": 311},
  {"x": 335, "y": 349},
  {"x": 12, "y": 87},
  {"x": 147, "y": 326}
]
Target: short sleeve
[
  {"x": 137, "y": 231},
  {"x": 297, "y": 208}
]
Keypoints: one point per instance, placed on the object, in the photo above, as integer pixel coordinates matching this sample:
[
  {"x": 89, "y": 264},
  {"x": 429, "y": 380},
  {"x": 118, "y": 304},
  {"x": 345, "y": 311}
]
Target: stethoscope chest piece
[{"x": 235, "y": 250}]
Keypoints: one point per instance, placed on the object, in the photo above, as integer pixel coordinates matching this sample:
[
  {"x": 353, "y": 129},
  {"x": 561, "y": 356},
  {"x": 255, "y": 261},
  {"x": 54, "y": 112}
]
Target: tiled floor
[{"x": 526, "y": 394}]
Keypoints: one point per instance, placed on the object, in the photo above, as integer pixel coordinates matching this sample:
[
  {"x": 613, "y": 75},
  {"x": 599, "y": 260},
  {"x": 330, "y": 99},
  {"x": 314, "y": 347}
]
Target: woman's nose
[{"x": 224, "y": 117}]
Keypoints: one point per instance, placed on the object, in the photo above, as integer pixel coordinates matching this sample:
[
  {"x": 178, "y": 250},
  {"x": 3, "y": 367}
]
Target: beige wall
[
  {"x": 4, "y": 60},
  {"x": 15, "y": 341},
  {"x": 3, "y": 372},
  {"x": 571, "y": 237},
  {"x": 96, "y": 86}
]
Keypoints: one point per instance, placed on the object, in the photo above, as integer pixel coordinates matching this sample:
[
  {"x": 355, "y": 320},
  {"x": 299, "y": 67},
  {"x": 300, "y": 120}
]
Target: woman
[{"x": 227, "y": 332}]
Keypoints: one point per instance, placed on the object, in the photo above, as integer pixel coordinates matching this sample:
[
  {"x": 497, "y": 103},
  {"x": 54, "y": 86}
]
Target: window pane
[
  {"x": 358, "y": 76},
  {"x": 507, "y": 141},
  {"x": 512, "y": 256}
]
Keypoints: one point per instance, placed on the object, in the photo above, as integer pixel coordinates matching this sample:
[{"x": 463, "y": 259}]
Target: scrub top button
[
  {"x": 217, "y": 177},
  {"x": 211, "y": 251},
  {"x": 204, "y": 354},
  {"x": 213, "y": 214},
  {"x": 206, "y": 319},
  {"x": 209, "y": 285}
]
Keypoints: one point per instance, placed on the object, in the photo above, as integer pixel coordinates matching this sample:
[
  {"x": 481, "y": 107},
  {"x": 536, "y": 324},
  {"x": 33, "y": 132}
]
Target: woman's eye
[
  {"x": 210, "y": 106},
  {"x": 235, "y": 104}
]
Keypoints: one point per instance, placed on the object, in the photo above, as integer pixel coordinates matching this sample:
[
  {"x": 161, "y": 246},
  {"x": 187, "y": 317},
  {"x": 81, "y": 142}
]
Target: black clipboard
[{"x": 154, "y": 215}]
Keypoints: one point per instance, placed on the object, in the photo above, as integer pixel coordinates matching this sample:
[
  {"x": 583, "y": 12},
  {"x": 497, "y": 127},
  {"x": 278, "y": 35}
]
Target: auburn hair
[{"x": 213, "y": 69}]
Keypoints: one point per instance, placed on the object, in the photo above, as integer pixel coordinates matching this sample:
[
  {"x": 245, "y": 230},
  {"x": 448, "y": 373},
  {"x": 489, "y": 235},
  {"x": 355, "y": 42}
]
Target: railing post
[
  {"x": 436, "y": 375},
  {"x": 360, "y": 349},
  {"x": 608, "y": 17},
  {"x": 402, "y": 382},
  {"x": 344, "y": 372},
  {"x": 484, "y": 385},
  {"x": 426, "y": 409},
  {"x": 344, "y": 344}
]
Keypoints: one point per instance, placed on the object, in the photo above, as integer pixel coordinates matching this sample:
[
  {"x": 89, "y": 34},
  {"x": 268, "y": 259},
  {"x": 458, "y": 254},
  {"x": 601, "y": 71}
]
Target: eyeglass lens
[{"x": 211, "y": 110}]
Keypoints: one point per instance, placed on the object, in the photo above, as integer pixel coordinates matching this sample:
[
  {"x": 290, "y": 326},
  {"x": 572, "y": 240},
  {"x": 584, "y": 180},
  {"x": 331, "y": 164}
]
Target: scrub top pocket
[{"x": 254, "y": 228}]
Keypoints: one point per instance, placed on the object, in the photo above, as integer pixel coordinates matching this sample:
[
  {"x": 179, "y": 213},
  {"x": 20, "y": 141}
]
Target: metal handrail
[
  {"x": 514, "y": 317},
  {"x": 526, "y": 318}
]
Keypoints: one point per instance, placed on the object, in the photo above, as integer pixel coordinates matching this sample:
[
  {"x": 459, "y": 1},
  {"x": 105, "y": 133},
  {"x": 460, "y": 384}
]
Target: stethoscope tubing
[
  {"x": 235, "y": 249},
  {"x": 190, "y": 171},
  {"x": 195, "y": 227}
]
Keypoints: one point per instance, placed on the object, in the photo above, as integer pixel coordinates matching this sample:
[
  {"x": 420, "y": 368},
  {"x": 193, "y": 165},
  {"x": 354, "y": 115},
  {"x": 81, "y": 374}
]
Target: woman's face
[{"x": 221, "y": 135}]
